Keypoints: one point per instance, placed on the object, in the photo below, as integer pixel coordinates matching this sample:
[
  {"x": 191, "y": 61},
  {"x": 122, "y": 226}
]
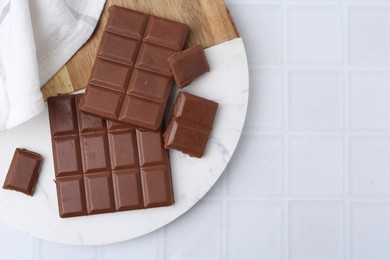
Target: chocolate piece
[
  {"x": 131, "y": 79},
  {"x": 105, "y": 166},
  {"x": 190, "y": 125},
  {"x": 187, "y": 65},
  {"x": 23, "y": 172}
]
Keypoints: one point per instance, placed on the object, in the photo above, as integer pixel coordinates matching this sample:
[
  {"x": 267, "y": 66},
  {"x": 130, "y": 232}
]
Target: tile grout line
[
  {"x": 306, "y": 197},
  {"x": 36, "y": 249},
  {"x": 253, "y": 131},
  {"x": 98, "y": 252},
  {"x": 285, "y": 138},
  {"x": 160, "y": 248},
  {"x": 223, "y": 225},
  {"x": 346, "y": 121},
  {"x": 314, "y": 66},
  {"x": 298, "y": 2}
]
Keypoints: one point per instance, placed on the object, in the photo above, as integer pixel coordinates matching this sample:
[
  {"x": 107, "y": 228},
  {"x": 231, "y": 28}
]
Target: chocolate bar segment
[
  {"x": 71, "y": 196},
  {"x": 190, "y": 125},
  {"x": 98, "y": 168},
  {"x": 23, "y": 172},
  {"x": 187, "y": 65},
  {"x": 131, "y": 79}
]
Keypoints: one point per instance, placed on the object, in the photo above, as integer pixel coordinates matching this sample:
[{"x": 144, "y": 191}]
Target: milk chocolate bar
[
  {"x": 131, "y": 80},
  {"x": 105, "y": 166},
  {"x": 190, "y": 125},
  {"x": 23, "y": 172},
  {"x": 187, "y": 65}
]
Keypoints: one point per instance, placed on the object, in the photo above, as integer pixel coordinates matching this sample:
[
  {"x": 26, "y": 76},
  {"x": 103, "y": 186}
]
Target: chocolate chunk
[
  {"x": 131, "y": 79},
  {"x": 105, "y": 166},
  {"x": 187, "y": 65},
  {"x": 23, "y": 172},
  {"x": 190, "y": 125}
]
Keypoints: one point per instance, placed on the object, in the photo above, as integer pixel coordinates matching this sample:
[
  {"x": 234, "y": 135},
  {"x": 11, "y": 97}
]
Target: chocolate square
[
  {"x": 126, "y": 22},
  {"x": 127, "y": 189},
  {"x": 187, "y": 65},
  {"x": 149, "y": 85},
  {"x": 71, "y": 163},
  {"x": 142, "y": 112},
  {"x": 154, "y": 58},
  {"x": 165, "y": 33},
  {"x": 118, "y": 48},
  {"x": 103, "y": 101},
  {"x": 72, "y": 193},
  {"x": 110, "y": 75}
]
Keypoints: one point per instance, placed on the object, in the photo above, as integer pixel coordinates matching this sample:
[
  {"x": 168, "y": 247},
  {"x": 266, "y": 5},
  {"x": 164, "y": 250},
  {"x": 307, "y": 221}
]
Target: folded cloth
[{"x": 36, "y": 39}]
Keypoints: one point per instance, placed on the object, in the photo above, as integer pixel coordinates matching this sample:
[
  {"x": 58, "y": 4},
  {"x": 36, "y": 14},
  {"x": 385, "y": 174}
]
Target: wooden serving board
[{"x": 209, "y": 20}]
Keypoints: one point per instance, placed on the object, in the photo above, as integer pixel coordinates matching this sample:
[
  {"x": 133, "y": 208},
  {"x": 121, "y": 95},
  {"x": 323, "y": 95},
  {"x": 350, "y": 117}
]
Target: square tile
[
  {"x": 369, "y": 99},
  {"x": 316, "y": 164},
  {"x": 266, "y": 99},
  {"x": 254, "y": 230},
  {"x": 195, "y": 235},
  {"x": 232, "y": 2},
  {"x": 370, "y": 230},
  {"x": 216, "y": 191},
  {"x": 261, "y": 25},
  {"x": 367, "y": 1},
  {"x": 256, "y": 167},
  {"x": 315, "y": 1},
  {"x": 314, "y": 34},
  {"x": 316, "y": 230},
  {"x": 315, "y": 99},
  {"x": 15, "y": 244},
  {"x": 49, "y": 250},
  {"x": 369, "y": 40},
  {"x": 145, "y": 248},
  {"x": 370, "y": 165}
]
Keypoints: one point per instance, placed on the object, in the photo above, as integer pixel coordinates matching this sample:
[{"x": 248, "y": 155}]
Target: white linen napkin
[{"x": 37, "y": 38}]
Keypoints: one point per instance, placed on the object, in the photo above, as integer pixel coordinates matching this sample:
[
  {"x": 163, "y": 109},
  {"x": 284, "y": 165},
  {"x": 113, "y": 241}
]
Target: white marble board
[{"x": 227, "y": 83}]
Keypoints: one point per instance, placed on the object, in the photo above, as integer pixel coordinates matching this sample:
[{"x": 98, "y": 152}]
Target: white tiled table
[{"x": 311, "y": 177}]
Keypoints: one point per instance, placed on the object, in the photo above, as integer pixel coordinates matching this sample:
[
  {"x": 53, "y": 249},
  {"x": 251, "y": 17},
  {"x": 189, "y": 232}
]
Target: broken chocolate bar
[
  {"x": 104, "y": 166},
  {"x": 131, "y": 80},
  {"x": 187, "y": 65},
  {"x": 23, "y": 172},
  {"x": 190, "y": 125}
]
